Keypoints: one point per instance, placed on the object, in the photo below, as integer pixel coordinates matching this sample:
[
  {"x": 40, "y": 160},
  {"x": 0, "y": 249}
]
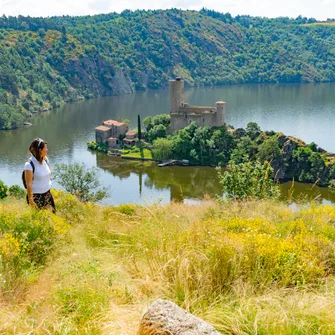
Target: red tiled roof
[
  {"x": 113, "y": 122},
  {"x": 131, "y": 133},
  {"x": 103, "y": 128}
]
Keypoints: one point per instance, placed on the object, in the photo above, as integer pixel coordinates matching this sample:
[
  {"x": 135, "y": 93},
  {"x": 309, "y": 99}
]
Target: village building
[
  {"x": 130, "y": 138},
  {"x": 182, "y": 114},
  {"x": 114, "y": 134}
]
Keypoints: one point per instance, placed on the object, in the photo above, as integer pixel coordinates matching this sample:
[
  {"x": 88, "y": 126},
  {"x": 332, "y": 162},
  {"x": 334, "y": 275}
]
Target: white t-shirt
[{"x": 41, "y": 177}]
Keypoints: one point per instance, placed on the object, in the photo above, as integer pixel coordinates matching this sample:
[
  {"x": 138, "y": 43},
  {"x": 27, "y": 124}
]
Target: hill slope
[{"x": 45, "y": 62}]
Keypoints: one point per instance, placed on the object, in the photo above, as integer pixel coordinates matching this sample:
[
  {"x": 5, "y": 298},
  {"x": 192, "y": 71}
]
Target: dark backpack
[{"x": 23, "y": 175}]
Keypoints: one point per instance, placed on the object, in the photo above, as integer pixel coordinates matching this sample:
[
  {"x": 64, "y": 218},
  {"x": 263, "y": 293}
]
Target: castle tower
[
  {"x": 176, "y": 94},
  {"x": 220, "y": 106}
]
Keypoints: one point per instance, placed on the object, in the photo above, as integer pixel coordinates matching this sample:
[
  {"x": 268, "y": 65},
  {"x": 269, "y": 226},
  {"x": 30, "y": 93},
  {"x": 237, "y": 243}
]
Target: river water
[{"x": 306, "y": 111}]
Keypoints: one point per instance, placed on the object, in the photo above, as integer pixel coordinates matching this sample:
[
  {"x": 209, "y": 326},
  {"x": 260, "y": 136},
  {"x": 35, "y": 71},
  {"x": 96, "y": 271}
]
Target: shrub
[
  {"x": 80, "y": 181},
  {"x": 26, "y": 240},
  {"x": 162, "y": 149},
  {"x": 17, "y": 192},
  {"x": 3, "y": 190},
  {"x": 249, "y": 181},
  {"x": 127, "y": 209}
]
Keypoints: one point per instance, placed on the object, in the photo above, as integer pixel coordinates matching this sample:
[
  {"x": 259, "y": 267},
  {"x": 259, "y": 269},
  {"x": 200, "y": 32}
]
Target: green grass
[
  {"x": 139, "y": 153},
  {"x": 245, "y": 267}
]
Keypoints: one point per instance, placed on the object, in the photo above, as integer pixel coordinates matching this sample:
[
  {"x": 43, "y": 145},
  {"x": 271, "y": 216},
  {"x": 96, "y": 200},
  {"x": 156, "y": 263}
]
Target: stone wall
[
  {"x": 102, "y": 135},
  {"x": 181, "y": 114},
  {"x": 181, "y": 120}
]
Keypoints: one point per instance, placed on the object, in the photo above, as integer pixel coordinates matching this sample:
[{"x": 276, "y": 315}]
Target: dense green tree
[
  {"x": 245, "y": 148},
  {"x": 3, "y": 190},
  {"x": 139, "y": 129},
  {"x": 253, "y": 130},
  {"x": 155, "y": 132},
  {"x": 307, "y": 166},
  {"x": 162, "y": 149},
  {"x": 269, "y": 150}
]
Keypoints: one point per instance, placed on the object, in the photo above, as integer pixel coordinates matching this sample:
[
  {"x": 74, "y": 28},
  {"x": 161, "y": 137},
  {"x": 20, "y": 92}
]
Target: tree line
[
  {"x": 290, "y": 158},
  {"x": 45, "y": 62}
]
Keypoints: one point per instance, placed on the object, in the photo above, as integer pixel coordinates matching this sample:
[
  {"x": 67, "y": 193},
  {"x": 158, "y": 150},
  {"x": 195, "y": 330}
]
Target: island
[{"x": 199, "y": 135}]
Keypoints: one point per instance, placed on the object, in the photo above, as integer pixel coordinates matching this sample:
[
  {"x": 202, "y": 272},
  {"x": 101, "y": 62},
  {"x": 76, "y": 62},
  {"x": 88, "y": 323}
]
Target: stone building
[
  {"x": 110, "y": 132},
  {"x": 130, "y": 139},
  {"x": 182, "y": 114}
]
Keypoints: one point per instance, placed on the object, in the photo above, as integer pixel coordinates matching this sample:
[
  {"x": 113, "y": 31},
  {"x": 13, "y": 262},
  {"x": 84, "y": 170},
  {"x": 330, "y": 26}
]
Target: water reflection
[
  {"x": 180, "y": 182},
  {"x": 184, "y": 182}
]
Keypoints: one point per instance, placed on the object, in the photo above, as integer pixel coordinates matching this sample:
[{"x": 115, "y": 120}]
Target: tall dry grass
[{"x": 247, "y": 268}]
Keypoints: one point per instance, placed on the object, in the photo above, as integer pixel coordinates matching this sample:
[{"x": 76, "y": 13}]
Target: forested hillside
[{"x": 45, "y": 62}]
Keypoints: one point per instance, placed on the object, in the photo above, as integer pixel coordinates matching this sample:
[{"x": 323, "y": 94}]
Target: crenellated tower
[
  {"x": 220, "y": 106},
  {"x": 176, "y": 94}
]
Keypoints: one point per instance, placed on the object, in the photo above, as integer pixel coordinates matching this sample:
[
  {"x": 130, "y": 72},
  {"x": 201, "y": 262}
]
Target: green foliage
[
  {"x": 148, "y": 123},
  {"x": 3, "y": 190},
  {"x": 17, "y": 192},
  {"x": 253, "y": 130},
  {"x": 26, "y": 239},
  {"x": 139, "y": 127},
  {"x": 269, "y": 150},
  {"x": 245, "y": 148},
  {"x": 9, "y": 117},
  {"x": 43, "y": 60},
  {"x": 203, "y": 145},
  {"x": 248, "y": 181},
  {"x": 308, "y": 166},
  {"x": 332, "y": 177},
  {"x": 101, "y": 147},
  {"x": 156, "y": 126},
  {"x": 157, "y": 131},
  {"x": 127, "y": 209},
  {"x": 162, "y": 149},
  {"x": 161, "y": 119},
  {"x": 80, "y": 181},
  {"x": 82, "y": 304}
]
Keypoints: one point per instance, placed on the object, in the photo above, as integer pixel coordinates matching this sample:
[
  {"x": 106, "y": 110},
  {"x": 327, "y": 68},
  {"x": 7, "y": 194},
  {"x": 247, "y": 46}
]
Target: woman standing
[{"x": 37, "y": 174}]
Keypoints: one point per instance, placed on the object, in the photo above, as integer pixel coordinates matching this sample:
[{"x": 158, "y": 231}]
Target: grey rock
[
  {"x": 164, "y": 317},
  {"x": 95, "y": 75}
]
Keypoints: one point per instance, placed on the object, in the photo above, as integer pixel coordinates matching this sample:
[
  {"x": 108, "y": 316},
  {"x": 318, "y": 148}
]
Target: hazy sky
[{"x": 320, "y": 9}]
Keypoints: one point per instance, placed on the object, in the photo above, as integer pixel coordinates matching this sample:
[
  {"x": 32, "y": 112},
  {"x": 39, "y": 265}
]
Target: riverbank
[{"x": 239, "y": 266}]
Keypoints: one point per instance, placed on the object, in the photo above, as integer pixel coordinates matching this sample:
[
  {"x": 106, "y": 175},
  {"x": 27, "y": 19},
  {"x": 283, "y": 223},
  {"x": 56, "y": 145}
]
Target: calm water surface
[{"x": 306, "y": 111}]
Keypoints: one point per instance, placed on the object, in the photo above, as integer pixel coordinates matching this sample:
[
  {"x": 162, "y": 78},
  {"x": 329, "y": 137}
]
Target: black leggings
[{"x": 44, "y": 200}]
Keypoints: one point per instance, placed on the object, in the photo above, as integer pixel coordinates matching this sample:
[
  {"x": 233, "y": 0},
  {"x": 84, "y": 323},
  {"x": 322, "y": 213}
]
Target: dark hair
[{"x": 36, "y": 146}]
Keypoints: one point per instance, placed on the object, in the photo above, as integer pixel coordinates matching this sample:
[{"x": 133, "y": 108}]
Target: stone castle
[{"x": 181, "y": 114}]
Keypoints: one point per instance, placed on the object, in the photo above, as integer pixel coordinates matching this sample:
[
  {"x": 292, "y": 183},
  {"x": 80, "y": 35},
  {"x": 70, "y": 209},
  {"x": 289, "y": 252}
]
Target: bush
[
  {"x": 101, "y": 147},
  {"x": 17, "y": 192},
  {"x": 26, "y": 239},
  {"x": 3, "y": 190},
  {"x": 80, "y": 181},
  {"x": 127, "y": 209},
  {"x": 249, "y": 181},
  {"x": 162, "y": 149}
]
